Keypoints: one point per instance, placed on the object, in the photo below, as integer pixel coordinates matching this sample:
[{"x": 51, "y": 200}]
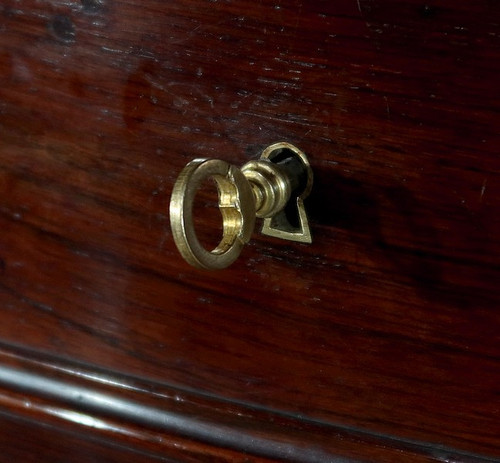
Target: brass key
[{"x": 273, "y": 188}]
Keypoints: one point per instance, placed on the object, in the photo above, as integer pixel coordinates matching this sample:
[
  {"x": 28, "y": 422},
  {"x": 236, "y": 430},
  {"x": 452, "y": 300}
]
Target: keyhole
[{"x": 292, "y": 164}]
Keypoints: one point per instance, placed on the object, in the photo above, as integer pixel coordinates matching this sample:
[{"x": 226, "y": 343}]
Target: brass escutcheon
[{"x": 273, "y": 187}]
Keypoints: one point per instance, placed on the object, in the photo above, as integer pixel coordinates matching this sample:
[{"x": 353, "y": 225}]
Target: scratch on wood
[
  {"x": 387, "y": 108},
  {"x": 279, "y": 118},
  {"x": 483, "y": 189}
]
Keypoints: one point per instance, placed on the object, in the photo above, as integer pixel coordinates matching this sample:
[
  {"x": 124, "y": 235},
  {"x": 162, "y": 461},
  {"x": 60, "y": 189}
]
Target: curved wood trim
[{"x": 162, "y": 420}]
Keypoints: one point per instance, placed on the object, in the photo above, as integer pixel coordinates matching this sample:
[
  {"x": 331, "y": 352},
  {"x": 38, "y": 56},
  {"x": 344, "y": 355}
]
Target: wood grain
[{"x": 388, "y": 323}]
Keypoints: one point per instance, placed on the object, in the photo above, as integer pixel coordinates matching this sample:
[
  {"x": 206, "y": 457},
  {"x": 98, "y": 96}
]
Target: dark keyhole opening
[{"x": 291, "y": 162}]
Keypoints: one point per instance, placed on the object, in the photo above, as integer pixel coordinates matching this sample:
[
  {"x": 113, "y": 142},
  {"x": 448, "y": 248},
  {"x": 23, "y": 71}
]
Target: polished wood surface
[{"x": 387, "y": 325}]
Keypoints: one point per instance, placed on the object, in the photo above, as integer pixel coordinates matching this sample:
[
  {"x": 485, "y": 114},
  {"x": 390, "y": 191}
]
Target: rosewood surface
[{"x": 384, "y": 331}]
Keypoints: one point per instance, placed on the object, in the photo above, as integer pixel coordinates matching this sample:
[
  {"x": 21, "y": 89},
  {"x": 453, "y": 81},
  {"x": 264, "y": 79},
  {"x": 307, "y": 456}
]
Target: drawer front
[{"x": 386, "y": 325}]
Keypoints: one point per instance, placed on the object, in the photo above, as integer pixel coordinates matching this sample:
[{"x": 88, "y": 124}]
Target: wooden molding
[{"x": 148, "y": 418}]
